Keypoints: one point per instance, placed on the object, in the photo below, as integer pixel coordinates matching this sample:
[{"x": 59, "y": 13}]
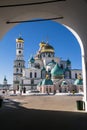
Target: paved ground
[
  {"x": 52, "y": 102},
  {"x": 42, "y": 112}
]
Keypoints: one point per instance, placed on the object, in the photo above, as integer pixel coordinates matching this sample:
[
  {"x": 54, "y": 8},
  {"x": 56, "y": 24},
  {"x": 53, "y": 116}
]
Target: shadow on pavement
[{"x": 15, "y": 117}]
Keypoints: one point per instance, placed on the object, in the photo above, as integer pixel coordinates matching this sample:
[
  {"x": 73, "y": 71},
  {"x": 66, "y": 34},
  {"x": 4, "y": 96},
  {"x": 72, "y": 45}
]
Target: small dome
[
  {"x": 31, "y": 60},
  {"x": 47, "y": 82},
  {"x": 68, "y": 62},
  {"x": 57, "y": 71},
  {"x": 47, "y": 48},
  {"x": 20, "y": 40},
  {"x": 78, "y": 82}
]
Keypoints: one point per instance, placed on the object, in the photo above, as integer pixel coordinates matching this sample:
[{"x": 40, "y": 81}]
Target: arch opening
[{"x": 79, "y": 41}]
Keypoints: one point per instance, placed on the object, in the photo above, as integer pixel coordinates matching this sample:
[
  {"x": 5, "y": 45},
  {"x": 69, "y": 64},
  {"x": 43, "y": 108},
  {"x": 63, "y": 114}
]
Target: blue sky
[{"x": 63, "y": 41}]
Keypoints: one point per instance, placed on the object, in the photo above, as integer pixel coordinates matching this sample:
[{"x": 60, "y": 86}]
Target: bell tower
[{"x": 19, "y": 63}]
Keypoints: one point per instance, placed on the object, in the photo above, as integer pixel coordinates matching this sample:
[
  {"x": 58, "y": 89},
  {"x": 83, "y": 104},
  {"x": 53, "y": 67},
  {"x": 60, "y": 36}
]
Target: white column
[{"x": 84, "y": 69}]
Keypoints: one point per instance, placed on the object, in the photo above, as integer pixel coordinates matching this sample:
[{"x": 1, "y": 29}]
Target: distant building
[
  {"x": 43, "y": 64},
  {"x": 5, "y": 85}
]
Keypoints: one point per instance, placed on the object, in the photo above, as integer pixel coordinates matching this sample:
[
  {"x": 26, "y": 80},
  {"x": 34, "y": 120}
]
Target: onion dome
[
  {"x": 57, "y": 71},
  {"x": 78, "y": 82},
  {"x": 32, "y": 60},
  {"x": 20, "y": 40},
  {"x": 47, "y": 82},
  {"x": 51, "y": 63},
  {"x": 47, "y": 48},
  {"x": 68, "y": 62},
  {"x": 64, "y": 83}
]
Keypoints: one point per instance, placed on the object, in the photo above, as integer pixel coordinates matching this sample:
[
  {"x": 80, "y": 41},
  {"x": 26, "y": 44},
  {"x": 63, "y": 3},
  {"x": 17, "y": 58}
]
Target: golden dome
[
  {"x": 20, "y": 40},
  {"x": 47, "y": 48}
]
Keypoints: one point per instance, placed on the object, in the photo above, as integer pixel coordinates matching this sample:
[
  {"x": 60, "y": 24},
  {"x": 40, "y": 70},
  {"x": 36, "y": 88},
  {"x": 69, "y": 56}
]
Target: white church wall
[
  {"x": 74, "y": 72},
  {"x": 26, "y": 81},
  {"x": 26, "y": 73}
]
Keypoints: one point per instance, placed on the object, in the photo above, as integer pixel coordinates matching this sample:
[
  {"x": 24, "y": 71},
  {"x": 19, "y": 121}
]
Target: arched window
[
  {"x": 50, "y": 90},
  {"x": 43, "y": 55},
  {"x": 19, "y": 64},
  {"x": 30, "y": 74},
  {"x": 35, "y": 75},
  {"x": 75, "y": 75},
  {"x": 17, "y": 70},
  {"x": 20, "y": 45},
  {"x": 49, "y": 55}
]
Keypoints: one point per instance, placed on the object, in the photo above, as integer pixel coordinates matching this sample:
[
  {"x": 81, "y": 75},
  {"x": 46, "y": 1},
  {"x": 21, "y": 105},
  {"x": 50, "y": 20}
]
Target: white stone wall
[
  {"x": 57, "y": 59},
  {"x": 46, "y": 60},
  {"x": 75, "y": 71},
  {"x": 39, "y": 61},
  {"x": 26, "y": 72},
  {"x": 63, "y": 63}
]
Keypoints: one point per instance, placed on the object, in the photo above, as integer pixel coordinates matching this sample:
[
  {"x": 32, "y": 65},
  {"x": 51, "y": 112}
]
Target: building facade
[{"x": 44, "y": 64}]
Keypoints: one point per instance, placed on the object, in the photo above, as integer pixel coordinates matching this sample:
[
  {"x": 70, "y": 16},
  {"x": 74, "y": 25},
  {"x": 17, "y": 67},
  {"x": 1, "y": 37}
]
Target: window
[
  {"x": 19, "y": 52},
  {"x": 46, "y": 89},
  {"x": 30, "y": 74},
  {"x": 43, "y": 55},
  {"x": 50, "y": 90},
  {"x": 32, "y": 81},
  {"x": 75, "y": 75},
  {"x": 19, "y": 64},
  {"x": 17, "y": 70},
  {"x": 35, "y": 74},
  {"x": 49, "y": 55},
  {"x": 20, "y": 45}
]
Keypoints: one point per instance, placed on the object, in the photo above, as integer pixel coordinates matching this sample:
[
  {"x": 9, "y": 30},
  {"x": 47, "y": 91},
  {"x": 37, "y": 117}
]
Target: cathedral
[{"x": 45, "y": 72}]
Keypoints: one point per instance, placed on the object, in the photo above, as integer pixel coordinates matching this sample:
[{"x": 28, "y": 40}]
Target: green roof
[
  {"x": 40, "y": 83},
  {"x": 68, "y": 62},
  {"x": 47, "y": 82},
  {"x": 78, "y": 82},
  {"x": 32, "y": 60},
  {"x": 20, "y": 38},
  {"x": 43, "y": 69},
  {"x": 57, "y": 70}
]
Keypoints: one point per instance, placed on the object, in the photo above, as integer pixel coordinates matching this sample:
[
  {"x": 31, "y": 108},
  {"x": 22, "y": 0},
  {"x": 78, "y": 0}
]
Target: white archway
[{"x": 83, "y": 64}]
